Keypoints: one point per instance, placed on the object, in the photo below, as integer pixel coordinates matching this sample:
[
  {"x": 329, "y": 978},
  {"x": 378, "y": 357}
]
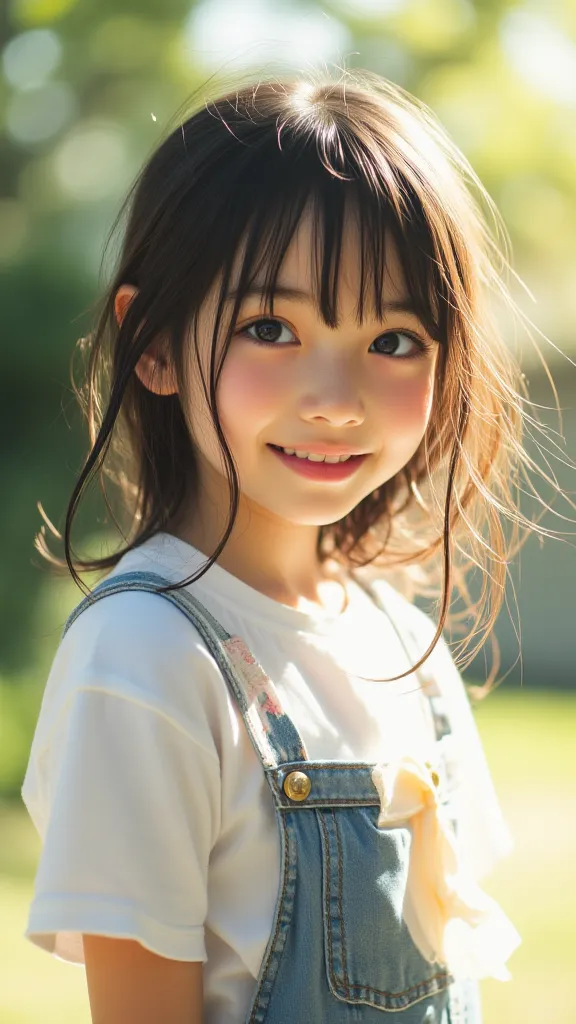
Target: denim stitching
[
  {"x": 329, "y": 802},
  {"x": 426, "y": 984},
  {"x": 320, "y": 766},
  {"x": 263, "y": 975},
  {"x": 327, "y": 928},
  {"x": 421, "y": 984},
  {"x": 340, "y": 907}
]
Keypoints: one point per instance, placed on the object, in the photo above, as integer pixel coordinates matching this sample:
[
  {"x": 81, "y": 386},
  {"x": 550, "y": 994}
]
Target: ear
[
  {"x": 154, "y": 369},
  {"x": 122, "y": 300}
]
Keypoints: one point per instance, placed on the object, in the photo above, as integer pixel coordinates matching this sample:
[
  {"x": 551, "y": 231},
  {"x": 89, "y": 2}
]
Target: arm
[{"x": 127, "y": 984}]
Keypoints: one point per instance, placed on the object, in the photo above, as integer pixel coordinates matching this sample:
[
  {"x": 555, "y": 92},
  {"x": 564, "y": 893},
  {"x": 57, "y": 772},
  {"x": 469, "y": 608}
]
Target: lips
[{"x": 317, "y": 465}]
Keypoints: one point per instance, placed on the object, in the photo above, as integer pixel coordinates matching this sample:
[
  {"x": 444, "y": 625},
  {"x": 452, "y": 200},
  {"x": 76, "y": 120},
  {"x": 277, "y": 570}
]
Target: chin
[{"x": 322, "y": 514}]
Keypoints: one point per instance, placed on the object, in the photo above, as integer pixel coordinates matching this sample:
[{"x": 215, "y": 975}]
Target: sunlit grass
[
  {"x": 529, "y": 740},
  {"x": 34, "y": 988}
]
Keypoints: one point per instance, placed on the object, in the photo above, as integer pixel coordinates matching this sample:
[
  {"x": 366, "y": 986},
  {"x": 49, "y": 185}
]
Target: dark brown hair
[{"x": 236, "y": 178}]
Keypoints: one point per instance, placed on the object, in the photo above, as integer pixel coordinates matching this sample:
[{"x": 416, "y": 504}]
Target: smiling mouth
[
  {"x": 316, "y": 466},
  {"x": 315, "y": 456}
]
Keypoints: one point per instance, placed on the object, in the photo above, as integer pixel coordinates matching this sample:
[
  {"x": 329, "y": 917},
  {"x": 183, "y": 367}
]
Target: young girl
[{"x": 256, "y": 774}]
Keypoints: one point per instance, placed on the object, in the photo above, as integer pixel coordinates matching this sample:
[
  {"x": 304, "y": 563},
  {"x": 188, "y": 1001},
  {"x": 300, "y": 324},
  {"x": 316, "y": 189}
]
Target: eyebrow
[{"x": 299, "y": 295}]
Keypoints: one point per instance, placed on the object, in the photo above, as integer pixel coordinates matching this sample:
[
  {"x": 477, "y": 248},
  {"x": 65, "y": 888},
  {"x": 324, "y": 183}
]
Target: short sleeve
[{"x": 126, "y": 799}]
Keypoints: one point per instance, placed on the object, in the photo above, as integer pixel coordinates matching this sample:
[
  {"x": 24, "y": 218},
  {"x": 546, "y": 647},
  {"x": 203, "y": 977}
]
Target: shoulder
[
  {"x": 417, "y": 628},
  {"x": 131, "y": 627},
  {"x": 138, "y": 647},
  {"x": 411, "y": 620}
]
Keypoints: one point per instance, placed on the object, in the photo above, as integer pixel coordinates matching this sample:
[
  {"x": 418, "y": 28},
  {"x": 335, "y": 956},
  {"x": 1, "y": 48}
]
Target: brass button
[
  {"x": 433, "y": 774},
  {"x": 297, "y": 786}
]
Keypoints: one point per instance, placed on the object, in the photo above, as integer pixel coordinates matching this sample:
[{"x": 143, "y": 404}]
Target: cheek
[
  {"x": 408, "y": 402},
  {"x": 407, "y": 407},
  {"x": 249, "y": 396},
  {"x": 421, "y": 399}
]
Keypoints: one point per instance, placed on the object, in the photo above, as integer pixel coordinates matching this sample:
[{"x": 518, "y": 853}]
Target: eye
[
  {"x": 387, "y": 345},
  {"x": 269, "y": 332}
]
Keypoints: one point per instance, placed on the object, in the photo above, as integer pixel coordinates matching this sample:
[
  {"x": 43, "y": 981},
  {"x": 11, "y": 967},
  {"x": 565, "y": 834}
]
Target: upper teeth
[{"x": 316, "y": 458}]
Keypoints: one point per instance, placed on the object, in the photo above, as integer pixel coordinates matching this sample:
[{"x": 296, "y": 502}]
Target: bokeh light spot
[
  {"x": 38, "y": 115},
  {"x": 40, "y": 12},
  {"x": 30, "y": 58},
  {"x": 370, "y": 8},
  {"x": 432, "y": 26},
  {"x": 90, "y": 163},
  {"x": 541, "y": 54},
  {"x": 220, "y": 31}
]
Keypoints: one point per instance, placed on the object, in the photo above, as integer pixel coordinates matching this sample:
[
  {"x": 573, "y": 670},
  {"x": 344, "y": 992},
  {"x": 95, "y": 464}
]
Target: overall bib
[{"x": 340, "y": 950}]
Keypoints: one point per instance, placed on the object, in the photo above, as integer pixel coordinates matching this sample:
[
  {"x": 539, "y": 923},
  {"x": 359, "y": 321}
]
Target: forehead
[
  {"x": 343, "y": 272},
  {"x": 303, "y": 263}
]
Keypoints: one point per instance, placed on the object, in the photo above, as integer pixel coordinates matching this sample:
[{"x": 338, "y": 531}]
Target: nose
[{"x": 332, "y": 395}]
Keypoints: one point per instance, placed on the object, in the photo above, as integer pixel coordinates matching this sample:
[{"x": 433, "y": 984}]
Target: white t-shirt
[{"x": 156, "y": 819}]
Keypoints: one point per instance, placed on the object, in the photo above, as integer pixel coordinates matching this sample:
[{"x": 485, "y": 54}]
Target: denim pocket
[{"x": 369, "y": 953}]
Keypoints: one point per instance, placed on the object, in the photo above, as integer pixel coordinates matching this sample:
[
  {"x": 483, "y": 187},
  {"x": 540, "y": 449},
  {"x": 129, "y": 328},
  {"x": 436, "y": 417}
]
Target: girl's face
[{"x": 290, "y": 382}]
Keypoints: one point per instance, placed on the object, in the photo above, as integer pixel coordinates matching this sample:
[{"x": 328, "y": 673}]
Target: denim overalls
[{"x": 340, "y": 950}]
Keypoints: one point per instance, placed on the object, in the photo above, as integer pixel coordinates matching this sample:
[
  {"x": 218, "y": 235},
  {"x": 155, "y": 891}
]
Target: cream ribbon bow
[{"x": 451, "y": 920}]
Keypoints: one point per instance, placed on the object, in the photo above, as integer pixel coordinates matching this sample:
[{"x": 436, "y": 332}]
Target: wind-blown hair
[{"x": 234, "y": 180}]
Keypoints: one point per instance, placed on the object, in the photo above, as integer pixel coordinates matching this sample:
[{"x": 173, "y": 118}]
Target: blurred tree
[{"x": 63, "y": 167}]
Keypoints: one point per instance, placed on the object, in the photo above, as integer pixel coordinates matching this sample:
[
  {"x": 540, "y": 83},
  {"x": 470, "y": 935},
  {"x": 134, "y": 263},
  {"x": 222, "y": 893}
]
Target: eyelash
[{"x": 422, "y": 347}]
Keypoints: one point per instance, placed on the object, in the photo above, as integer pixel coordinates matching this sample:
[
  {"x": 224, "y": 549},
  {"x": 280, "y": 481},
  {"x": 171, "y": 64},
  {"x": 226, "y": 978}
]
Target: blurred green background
[{"x": 86, "y": 91}]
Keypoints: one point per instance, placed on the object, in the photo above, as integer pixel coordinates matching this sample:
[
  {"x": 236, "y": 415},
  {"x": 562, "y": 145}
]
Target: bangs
[{"x": 370, "y": 206}]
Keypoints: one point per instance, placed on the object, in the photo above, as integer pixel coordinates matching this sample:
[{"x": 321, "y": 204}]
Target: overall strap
[{"x": 273, "y": 734}]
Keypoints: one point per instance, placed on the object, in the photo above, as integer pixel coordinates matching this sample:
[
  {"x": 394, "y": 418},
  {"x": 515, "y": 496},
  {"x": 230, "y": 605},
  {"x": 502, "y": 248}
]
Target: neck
[{"x": 276, "y": 557}]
